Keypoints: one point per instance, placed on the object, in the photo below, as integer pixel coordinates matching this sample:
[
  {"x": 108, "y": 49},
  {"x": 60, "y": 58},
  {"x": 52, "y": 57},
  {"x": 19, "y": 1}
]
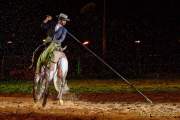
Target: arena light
[
  {"x": 85, "y": 42},
  {"x": 9, "y": 42},
  {"x": 137, "y": 41}
]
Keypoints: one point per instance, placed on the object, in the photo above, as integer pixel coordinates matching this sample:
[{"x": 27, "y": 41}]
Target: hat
[{"x": 63, "y": 16}]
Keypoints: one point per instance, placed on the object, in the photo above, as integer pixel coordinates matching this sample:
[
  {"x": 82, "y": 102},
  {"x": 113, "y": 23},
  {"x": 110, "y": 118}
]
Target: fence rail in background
[{"x": 87, "y": 66}]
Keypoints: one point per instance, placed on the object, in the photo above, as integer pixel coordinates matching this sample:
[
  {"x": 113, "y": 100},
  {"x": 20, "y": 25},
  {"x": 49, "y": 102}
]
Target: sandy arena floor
[{"x": 117, "y": 106}]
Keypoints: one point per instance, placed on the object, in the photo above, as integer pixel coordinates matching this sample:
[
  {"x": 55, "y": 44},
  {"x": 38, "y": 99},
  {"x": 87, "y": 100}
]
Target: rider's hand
[{"x": 48, "y": 18}]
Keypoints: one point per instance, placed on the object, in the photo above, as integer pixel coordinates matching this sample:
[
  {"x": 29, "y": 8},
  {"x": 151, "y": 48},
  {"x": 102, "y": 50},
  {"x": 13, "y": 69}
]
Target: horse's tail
[{"x": 32, "y": 60}]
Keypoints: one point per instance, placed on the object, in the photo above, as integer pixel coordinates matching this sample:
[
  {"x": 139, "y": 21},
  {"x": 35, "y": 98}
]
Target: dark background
[{"x": 154, "y": 23}]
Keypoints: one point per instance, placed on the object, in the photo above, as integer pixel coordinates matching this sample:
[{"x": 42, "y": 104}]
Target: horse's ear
[{"x": 64, "y": 48}]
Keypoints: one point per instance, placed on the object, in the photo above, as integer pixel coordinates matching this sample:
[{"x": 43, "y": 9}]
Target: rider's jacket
[{"x": 56, "y": 31}]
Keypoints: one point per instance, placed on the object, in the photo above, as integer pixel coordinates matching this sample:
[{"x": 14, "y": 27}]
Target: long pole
[{"x": 118, "y": 74}]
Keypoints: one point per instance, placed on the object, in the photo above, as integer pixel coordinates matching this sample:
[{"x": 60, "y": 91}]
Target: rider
[{"x": 56, "y": 34}]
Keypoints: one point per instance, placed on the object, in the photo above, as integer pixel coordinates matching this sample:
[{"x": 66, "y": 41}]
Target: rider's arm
[{"x": 48, "y": 26}]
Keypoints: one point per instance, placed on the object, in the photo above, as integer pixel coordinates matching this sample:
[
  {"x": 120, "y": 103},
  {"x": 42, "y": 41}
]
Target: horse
[{"x": 43, "y": 79}]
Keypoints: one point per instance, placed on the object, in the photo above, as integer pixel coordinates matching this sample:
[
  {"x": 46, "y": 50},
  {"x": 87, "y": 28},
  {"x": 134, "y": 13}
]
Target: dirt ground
[{"x": 102, "y": 106}]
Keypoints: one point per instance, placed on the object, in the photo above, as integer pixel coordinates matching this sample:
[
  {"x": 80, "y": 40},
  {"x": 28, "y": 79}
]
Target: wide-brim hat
[{"x": 63, "y": 16}]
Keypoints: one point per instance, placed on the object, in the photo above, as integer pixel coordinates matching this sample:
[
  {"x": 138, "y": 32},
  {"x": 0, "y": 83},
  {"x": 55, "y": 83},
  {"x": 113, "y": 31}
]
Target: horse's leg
[
  {"x": 59, "y": 77},
  {"x": 45, "y": 92},
  {"x": 62, "y": 77},
  {"x": 35, "y": 87},
  {"x": 63, "y": 89},
  {"x": 37, "y": 79},
  {"x": 50, "y": 73},
  {"x": 62, "y": 64},
  {"x": 49, "y": 77},
  {"x": 61, "y": 93}
]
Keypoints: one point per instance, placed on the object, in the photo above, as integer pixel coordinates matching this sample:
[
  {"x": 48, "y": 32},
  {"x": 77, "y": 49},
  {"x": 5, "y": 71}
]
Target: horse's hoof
[
  {"x": 61, "y": 102},
  {"x": 35, "y": 105}
]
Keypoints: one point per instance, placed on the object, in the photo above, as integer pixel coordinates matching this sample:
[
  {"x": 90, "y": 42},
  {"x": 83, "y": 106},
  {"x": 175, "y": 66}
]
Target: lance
[{"x": 105, "y": 63}]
